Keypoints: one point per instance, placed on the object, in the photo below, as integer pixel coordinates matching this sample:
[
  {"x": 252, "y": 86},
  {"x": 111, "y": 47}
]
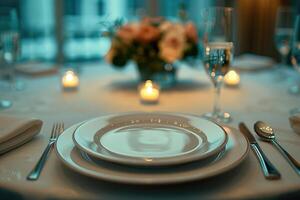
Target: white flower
[
  {"x": 165, "y": 26},
  {"x": 172, "y": 44}
]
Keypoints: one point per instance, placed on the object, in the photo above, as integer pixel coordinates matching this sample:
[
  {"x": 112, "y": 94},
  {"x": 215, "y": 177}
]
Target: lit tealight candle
[
  {"x": 232, "y": 78},
  {"x": 149, "y": 92},
  {"x": 70, "y": 80}
]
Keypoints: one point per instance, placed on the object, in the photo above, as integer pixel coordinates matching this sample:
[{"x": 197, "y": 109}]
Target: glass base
[
  {"x": 223, "y": 117},
  {"x": 4, "y": 104}
]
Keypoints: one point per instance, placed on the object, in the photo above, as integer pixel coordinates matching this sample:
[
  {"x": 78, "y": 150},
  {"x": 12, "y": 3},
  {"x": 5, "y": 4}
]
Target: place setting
[{"x": 162, "y": 148}]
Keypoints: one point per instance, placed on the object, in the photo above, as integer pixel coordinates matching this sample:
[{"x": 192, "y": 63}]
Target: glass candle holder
[
  {"x": 70, "y": 81},
  {"x": 232, "y": 78},
  {"x": 149, "y": 92}
]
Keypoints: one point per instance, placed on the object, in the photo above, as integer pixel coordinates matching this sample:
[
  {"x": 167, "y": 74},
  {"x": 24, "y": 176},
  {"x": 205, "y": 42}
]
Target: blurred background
[{"x": 70, "y": 30}]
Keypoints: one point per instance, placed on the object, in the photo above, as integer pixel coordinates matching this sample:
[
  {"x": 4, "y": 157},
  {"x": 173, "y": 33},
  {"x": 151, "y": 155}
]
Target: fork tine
[
  {"x": 57, "y": 130},
  {"x": 61, "y": 129},
  {"x": 53, "y": 130}
]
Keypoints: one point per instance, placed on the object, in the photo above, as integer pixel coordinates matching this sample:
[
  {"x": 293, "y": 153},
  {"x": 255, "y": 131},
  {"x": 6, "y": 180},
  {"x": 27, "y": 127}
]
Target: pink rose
[
  {"x": 128, "y": 32},
  {"x": 191, "y": 32},
  {"x": 147, "y": 33}
]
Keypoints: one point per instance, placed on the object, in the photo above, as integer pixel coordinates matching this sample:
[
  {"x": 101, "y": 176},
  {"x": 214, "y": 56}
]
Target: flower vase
[{"x": 164, "y": 74}]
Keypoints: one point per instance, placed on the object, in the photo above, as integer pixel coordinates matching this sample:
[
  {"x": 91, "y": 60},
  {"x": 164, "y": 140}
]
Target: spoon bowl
[{"x": 264, "y": 130}]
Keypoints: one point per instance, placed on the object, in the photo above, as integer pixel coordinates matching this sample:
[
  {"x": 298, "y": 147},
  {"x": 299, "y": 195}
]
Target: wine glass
[
  {"x": 283, "y": 35},
  {"x": 9, "y": 48},
  {"x": 218, "y": 52},
  {"x": 295, "y": 58}
]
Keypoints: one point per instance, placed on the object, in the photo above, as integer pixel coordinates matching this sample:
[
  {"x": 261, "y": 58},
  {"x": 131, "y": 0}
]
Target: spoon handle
[
  {"x": 270, "y": 172},
  {"x": 293, "y": 162}
]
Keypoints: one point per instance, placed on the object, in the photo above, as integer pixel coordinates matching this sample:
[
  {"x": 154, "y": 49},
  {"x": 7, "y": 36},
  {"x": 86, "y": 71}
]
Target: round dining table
[{"x": 105, "y": 90}]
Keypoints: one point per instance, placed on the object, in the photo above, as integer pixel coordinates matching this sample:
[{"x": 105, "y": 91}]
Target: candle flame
[
  {"x": 149, "y": 84},
  {"x": 70, "y": 75}
]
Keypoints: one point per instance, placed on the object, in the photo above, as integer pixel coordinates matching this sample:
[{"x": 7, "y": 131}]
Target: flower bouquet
[{"x": 154, "y": 44}]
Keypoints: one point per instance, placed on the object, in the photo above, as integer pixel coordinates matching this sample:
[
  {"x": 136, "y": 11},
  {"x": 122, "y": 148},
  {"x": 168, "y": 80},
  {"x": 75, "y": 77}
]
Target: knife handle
[{"x": 270, "y": 172}]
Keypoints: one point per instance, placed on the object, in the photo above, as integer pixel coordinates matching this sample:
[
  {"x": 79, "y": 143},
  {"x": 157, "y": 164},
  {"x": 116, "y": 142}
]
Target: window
[{"x": 70, "y": 29}]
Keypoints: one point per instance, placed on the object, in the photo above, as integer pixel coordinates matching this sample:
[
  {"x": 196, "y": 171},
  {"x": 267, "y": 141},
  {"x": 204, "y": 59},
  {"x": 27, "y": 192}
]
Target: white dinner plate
[
  {"x": 150, "y": 139},
  {"x": 235, "y": 151}
]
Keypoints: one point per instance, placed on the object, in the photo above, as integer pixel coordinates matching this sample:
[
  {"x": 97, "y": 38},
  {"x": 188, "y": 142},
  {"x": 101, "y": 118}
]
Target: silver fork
[{"x": 36, "y": 171}]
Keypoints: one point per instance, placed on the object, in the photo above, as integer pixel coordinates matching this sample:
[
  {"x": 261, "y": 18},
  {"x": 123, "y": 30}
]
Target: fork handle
[{"x": 36, "y": 171}]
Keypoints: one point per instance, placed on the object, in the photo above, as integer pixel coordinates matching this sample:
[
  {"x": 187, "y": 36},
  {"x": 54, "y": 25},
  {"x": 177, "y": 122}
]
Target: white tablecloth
[{"x": 105, "y": 90}]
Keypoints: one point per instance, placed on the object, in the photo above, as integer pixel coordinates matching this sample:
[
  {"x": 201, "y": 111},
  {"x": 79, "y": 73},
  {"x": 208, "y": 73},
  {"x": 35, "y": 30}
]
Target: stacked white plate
[{"x": 151, "y": 148}]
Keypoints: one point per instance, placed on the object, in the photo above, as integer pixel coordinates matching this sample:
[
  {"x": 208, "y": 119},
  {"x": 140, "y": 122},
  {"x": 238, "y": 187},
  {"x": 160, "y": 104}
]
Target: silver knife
[{"x": 270, "y": 172}]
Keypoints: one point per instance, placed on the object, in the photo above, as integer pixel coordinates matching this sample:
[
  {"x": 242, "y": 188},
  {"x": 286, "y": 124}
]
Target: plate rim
[
  {"x": 123, "y": 180},
  {"x": 162, "y": 162}
]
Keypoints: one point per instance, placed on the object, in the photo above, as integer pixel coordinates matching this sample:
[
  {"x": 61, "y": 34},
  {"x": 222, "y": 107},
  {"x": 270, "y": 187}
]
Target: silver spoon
[{"x": 266, "y": 133}]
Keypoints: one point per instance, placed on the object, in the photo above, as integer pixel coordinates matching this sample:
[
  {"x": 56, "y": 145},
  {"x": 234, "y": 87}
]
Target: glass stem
[
  {"x": 12, "y": 78},
  {"x": 283, "y": 61},
  {"x": 217, "y": 92}
]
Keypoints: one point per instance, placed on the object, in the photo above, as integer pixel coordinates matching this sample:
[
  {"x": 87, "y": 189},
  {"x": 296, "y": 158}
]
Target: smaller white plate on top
[{"x": 150, "y": 139}]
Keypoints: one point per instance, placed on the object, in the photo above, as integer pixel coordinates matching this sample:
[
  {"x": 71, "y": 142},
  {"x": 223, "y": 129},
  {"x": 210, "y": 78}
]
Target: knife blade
[
  {"x": 269, "y": 171},
  {"x": 247, "y": 134}
]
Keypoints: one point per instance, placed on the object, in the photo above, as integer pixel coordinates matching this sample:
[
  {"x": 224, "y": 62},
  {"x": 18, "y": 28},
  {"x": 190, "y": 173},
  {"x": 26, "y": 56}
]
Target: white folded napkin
[
  {"x": 15, "y": 131},
  {"x": 295, "y": 122}
]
